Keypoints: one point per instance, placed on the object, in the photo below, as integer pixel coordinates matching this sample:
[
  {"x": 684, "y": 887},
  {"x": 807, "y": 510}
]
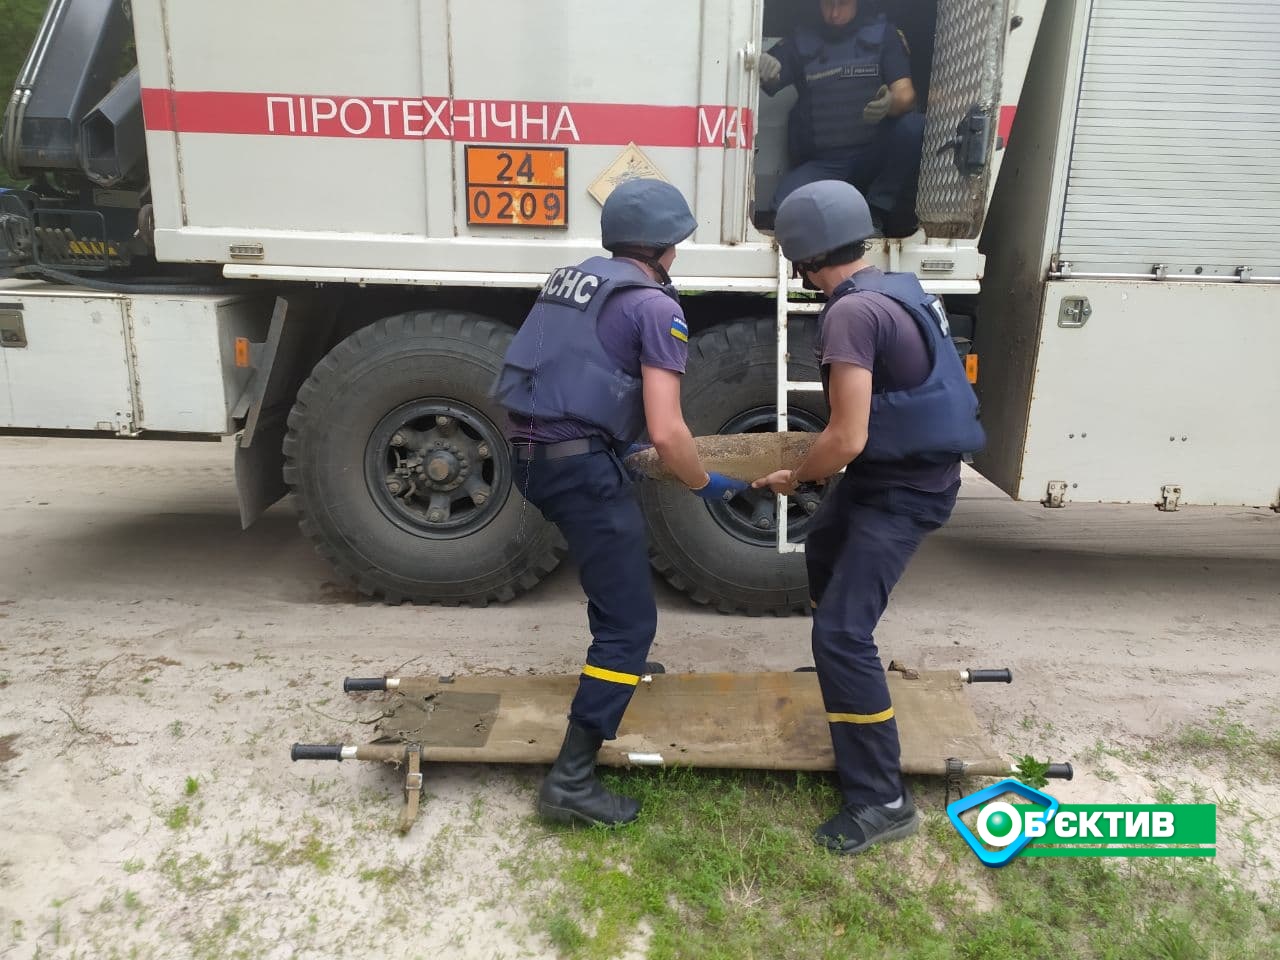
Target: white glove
[
  {"x": 770, "y": 68},
  {"x": 878, "y": 109}
]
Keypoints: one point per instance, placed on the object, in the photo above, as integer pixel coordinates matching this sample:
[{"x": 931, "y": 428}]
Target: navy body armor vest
[
  {"x": 556, "y": 367},
  {"x": 839, "y": 79},
  {"x": 937, "y": 420}
]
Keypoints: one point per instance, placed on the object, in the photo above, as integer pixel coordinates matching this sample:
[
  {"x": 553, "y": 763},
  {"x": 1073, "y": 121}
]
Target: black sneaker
[{"x": 857, "y": 827}]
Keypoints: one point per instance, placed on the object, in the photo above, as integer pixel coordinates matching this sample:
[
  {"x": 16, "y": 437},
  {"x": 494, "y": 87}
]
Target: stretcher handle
[
  {"x": 361, "y": 685},
  {"x": 1060, "y": 771},
  {"x": 989, "y": 676},
  {"x": 316, "y": 751}
]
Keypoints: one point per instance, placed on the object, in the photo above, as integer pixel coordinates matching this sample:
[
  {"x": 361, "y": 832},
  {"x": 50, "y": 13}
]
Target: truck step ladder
[{"x": 786, "y": 308}]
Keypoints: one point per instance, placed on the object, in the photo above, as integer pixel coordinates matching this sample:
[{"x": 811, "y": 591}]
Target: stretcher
[
  {"x": 761, "y": 721},
  {"x": 743, "y": 456}
]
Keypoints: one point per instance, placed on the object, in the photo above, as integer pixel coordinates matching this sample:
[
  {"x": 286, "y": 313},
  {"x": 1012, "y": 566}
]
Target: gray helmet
[
  {"x": 645, "y": 213},
  {"x": 820, "y": 217}
]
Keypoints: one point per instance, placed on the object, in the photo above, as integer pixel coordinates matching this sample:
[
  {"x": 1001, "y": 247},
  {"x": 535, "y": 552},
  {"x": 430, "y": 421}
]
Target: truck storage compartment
[
  {"x": 82, "y": 360},
  {"x": 1175, "y": 168},
  {"x": 64, "y": 361}
]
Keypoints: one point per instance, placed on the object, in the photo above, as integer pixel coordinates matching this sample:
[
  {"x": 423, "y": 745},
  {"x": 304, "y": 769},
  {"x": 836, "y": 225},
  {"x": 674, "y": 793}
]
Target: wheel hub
[
  {"x": 752, "y": 516},
  {"x": 432, "y": 469},
  {"x": 447, "y": 467},
  {"x": 442, "y": 467}
]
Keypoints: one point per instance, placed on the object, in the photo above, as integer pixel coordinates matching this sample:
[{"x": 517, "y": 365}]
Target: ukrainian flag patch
[{"x": 679, "y": 329}]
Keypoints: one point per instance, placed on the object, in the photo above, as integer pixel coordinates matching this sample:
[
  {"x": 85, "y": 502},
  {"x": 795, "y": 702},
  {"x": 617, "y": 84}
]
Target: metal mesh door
[{"x": 964, "y": 90}]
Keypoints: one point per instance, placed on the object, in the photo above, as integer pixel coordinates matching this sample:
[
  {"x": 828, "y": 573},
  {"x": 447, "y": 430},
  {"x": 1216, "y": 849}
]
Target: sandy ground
[{"x": 156, "y": 663}]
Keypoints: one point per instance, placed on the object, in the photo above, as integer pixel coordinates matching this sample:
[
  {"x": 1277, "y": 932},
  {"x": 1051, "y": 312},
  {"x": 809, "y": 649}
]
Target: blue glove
[{"x": 721, "y": 487}]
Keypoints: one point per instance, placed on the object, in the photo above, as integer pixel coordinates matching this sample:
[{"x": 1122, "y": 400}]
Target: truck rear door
[{"x": 963, "y": 121}]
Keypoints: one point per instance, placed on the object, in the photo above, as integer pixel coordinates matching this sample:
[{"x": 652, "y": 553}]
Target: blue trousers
[
  {"x": 593, "y": 501},
  {"x": 856, "y": 551},
  {"x": 887, "y": 170}
]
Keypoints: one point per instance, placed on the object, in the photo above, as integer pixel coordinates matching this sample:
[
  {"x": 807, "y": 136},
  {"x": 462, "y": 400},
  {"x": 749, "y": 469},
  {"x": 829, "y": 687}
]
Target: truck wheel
[
  {"x": 725, "y": 554},
  {"x": 400, "y": 470}
]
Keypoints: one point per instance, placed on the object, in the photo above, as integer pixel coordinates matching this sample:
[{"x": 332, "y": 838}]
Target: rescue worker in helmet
[
  {"x": 855, "y": 118},
  {"x": 902, "y": 416},
  {"x": 597, "y": 362}
]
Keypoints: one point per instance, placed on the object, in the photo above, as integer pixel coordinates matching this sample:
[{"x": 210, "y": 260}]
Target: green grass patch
[
  {"x": 133, "y": 866},
  {"x": 218, "y": 942},
  {"x": 294, "y": 853},
  {"x": 193, "y": 874},
  {"x": 1271, "y": 746},
  {"x": 315, "y": 852},
  {"x": 192, "y": 786},
  {"x": 723, "y": 865},
  {"x": 178, "y": 818},
  {"x": 1249, "y": 754},
  {"x": 1032, "y": 772},
  {"x": 387, "y": 877}
]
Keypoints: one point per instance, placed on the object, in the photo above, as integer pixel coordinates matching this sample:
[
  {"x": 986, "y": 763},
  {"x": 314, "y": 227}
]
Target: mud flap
[{"x": 300, "y": 329}]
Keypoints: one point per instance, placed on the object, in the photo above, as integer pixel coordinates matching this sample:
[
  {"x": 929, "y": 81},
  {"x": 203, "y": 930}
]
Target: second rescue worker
[
  {"x": 902, "y": 416},
  {"x": 597, "y": 361}
]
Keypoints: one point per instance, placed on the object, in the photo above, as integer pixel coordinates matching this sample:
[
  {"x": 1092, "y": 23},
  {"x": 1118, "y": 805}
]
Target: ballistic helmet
[
  {"x": 820, "y": 217},
  {"x": 645, "y": 213}
]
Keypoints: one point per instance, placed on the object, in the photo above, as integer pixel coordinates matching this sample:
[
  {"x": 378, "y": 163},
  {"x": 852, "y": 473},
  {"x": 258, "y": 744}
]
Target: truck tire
[
  {"x": 400, "y": 472},
  {"x": 719, "y": 554}
]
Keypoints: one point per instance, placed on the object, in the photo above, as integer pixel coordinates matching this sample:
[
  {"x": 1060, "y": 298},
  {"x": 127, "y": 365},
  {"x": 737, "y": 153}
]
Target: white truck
[{"x": 313, "y": 226}]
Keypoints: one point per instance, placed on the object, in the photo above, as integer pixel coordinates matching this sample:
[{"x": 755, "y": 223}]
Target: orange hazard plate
[{"x": 517, "y": 186}]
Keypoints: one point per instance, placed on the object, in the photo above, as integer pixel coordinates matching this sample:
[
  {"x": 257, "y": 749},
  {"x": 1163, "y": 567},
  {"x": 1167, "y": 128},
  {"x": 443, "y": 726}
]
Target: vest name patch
[
  {"x": 570, "y": 287},
  {"x": 860, "y": 70}
]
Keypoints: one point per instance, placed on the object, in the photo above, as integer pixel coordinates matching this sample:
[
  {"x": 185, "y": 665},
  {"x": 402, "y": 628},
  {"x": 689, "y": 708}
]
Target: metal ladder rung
[
  {"x": 803, "y": 306},
  {"x": 787, "y": 307}
]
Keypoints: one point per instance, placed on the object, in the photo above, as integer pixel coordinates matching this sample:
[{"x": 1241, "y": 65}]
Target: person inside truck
[
  {"x": 902, "y": 416},
  {"x": 597, "y": 362},
  {"x": 855, "y": 118}
]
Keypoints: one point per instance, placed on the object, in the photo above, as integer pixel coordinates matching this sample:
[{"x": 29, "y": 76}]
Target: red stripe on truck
[
  {"x": 1007, "y": 113},
  {"x": 442, "y": 118}
]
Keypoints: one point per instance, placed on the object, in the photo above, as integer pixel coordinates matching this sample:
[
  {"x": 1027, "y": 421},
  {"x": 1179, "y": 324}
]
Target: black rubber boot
[{"x": 571, "y": 793}]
